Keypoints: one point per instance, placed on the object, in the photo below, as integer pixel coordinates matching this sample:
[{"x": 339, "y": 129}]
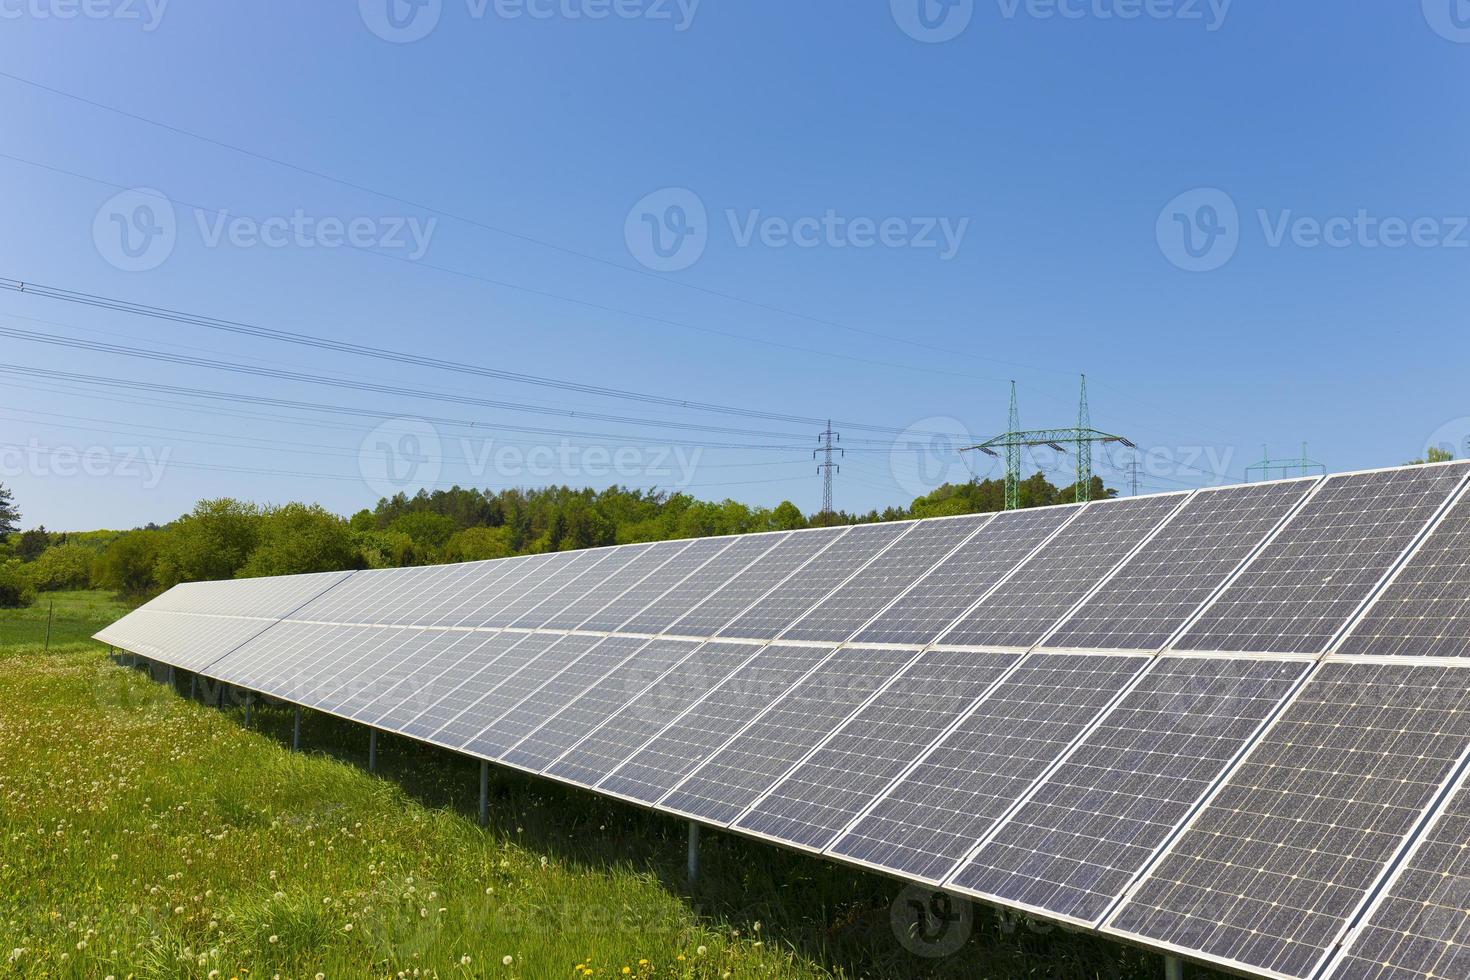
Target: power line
[
  {"x": 519, "y": 236},
  {"x": 403, "y": 357}
]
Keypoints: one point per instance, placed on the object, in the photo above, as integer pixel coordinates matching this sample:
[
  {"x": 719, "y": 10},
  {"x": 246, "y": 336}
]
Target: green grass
[
  {"x": 142, "y": 834},
  {"x": 76, "y": 616}
]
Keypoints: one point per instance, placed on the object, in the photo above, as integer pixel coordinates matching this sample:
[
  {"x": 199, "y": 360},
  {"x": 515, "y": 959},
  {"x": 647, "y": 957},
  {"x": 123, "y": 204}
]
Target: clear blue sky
[{"x": 1052, "y": 139}]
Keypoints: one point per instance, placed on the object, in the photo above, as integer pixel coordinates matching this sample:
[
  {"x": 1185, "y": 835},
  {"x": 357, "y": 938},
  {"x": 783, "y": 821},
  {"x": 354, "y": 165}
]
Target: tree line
[{"x": 229, "y": 538}]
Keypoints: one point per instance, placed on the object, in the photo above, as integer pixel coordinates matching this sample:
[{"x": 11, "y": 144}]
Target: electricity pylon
[
  {"x": 1081, "y": 438},
  {"x": 826, "y": 468},
  {"x": 1267, "y": 466}
]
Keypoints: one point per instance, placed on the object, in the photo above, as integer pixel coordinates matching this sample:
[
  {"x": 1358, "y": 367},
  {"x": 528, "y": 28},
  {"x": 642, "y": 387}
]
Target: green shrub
[{"x": 16, "y": 590}]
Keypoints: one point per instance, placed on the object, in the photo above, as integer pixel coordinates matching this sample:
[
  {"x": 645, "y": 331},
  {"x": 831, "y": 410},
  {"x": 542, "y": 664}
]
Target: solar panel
[
  {"x": 757, "y": 757},
  {"x": 1025, "y": 606},
  {"x": 566, "y": 571},
  {"x": 691, "y": 738},
  {"x": 630, "y": 603},
  {"x": 411, "y": 677},
  {"x": 775, "y": 612},
  {"x": 1172, "y": 576},
  {"x": 825, "y": 793},
  {"x": 925, "y": 824},
  {"x": 942, "y": 596},
  {"x": 421, "y": 688},
  {"x": 644, "y": 715},
  {"x": 1268, "y": 874},
  {"x": 678, "y": 601},
  {"x": 1092, "y": 825},
  {"x": 645, "y": 560},
  {"x": 1425, "y": 609},
  {"x": 610, "y": 569},
  {"x": 565, "y": 728},
  {"x": 1420, "y": 927},
  {"x": 267, "y": 598},
  {"x": 184, "y": 640},
  {"x": 1299, "y": 591},
  {"x": 395, "y": 594},
  {"x": 567, "y": 684},
  {"x": 480, "y": 672},
  {"x": 765, "y": 573},
  {"x": 515, "y": 686},
  {"x": 839, "y": 615}
]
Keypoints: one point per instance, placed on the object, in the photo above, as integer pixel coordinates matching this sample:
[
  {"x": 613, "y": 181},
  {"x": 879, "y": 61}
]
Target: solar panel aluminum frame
[
  {"x": 1438, "y": 811},
  {"x": 1041, "y": 645},
  {"x": 1373, "y": 593},
  {"x": 1393, "y": 864},
  {"x": 1361, "y": 616},
  {"x": 1158, "y": 853},
  {"x": 938, "y": 883}
]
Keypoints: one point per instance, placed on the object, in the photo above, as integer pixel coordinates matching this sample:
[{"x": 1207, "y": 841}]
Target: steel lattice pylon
[{"x": 1014, "y": 439}]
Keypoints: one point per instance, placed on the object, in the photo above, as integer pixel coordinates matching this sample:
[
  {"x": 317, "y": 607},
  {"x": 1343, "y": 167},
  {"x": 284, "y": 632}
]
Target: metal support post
[
  {"x": 1173, "y": 968},
  {"x": 372, "y": 750},
  {"x": 296, "y": 733},
  {"x": 484, "y": 794},
  {"x": 693, "y": 852}
]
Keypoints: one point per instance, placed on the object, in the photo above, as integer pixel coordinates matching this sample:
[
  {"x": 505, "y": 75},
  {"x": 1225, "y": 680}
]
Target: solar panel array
[{"x": 1122, "y": 715}]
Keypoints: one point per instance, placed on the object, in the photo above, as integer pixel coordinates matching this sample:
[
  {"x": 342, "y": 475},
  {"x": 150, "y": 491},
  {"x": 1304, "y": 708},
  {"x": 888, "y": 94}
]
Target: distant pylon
[
  {"x": 1013, "y": 457},
  {"x": 1133, "y": 486},
  {"x": 826, "y": 468},
  {"x": 1084, "y": 448}
]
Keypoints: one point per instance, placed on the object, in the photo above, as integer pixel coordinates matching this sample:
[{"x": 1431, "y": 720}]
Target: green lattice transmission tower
[{"x": 1081, "y": 438}]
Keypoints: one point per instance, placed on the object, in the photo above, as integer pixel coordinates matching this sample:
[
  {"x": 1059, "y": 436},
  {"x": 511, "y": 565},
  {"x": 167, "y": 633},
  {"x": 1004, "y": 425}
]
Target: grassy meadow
[{"x": 145, "y": 835}]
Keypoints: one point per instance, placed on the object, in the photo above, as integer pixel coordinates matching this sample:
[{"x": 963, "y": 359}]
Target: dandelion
[
  {"x": 701, "y": 950},
  {"x": 321, "y": 976},
  {"x": 627, "y": 970},
  {"x": 464, "y": 960},
  {"x": 274, "y": 939},
  {"x": 507, "y": 960}
]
